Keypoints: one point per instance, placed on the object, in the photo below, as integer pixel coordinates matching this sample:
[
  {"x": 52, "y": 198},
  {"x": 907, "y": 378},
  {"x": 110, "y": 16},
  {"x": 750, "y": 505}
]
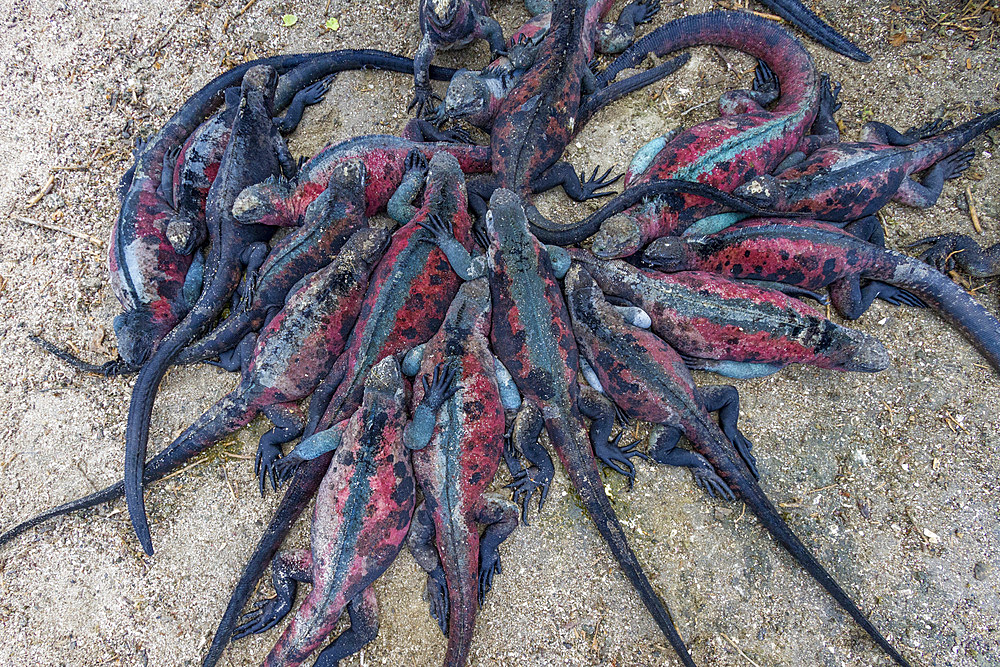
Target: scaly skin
[
  {"x": 813, "y": 255},
  {"x": 147, "y": 273},
  {"x": 197, "y": 165},
  {"x": 476, "y": 96},
  {"x": 363, "y": 510},
  {"x": 958, "y": 252},
  {"x": 454, "y": 465},
  {"x": 384, "y": 156},
  {"x": 447, "y": 24},
  {"x": 708, "y": 318},
  {"x": 646, "y": 377},
  {"x": 745, "y": 141},
  {"x": 532, "y": 336},
  {"x": 848, "y": 181},
  {"x": 255, "y": 152},
  {"x": 292, "y": 355},
  {"x": 329, "y": 223},
  {"x": 407, "y": 300},
  {"x": 537, "y": 119}
]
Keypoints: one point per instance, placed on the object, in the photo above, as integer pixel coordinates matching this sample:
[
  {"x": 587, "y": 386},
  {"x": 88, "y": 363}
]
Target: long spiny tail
[
  {"x": 300, "y": 492},
  {"x": 108, "y": 369},
  {"x": 227, "y": 416},
  {"x": 763, "y": 39},
  {"x": 711, "y": 443},
  {"x": 798, "y": 14},
  {"x": 949, "y": 300},
  {"x": 140, "y": 410},
  {"x": 580, "y": 465},
  {"x": 463, "y": 602},
  {"x": 933, "y": 149},
  {"x": 548, "y": 232}
]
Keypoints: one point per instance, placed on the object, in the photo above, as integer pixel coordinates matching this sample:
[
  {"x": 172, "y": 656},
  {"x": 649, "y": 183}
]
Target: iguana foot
[
  {"x": 436, "y": 595},
  {"x": 264, "y": 466},
  {"x": 712, "y": 483},
  {"x": 592, "y": 186},
  {"x": 828, "y": 94},
  {"x": 262, "y": 617},
  {"x": 953, "y": 165},
  {"x": 439, "y": 227},
  {"x": 525, "y": 484},
  {"x": 619, "y": 458},
  {"x": 314, "y": 94},
  {"x": 941, "y": 254},
  {"x": 743, "y": 447},
  {"x": 897, "y": 297},
  {"x": 422, "y": 100},
  {"x": 489, "y": 565},
  {"x": 927, "y": 130}
]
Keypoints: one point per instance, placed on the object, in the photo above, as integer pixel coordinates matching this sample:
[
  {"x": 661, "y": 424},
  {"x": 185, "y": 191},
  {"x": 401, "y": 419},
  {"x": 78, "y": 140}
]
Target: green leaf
[
  {"x": 289, "y": 20},
  {"x": 332, "y": 24}
]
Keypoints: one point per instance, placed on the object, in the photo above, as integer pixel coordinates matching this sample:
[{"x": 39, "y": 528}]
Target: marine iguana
[
  {"x": 848, "y": 181},
  {"x": 735, "y": 329},
  {"x": 812, "y": 255},
  {"x": 407, "y": 300},
  {"x": 454, "y": 462},
  {"x": 363, "y": 510},
  {"x": 649, "y": 380},
  {"x": 533, "y": 338},
  {"x": 328, "y": 223},
  {"x": 147, "y": 273},
  {"x": 447, "y": 24},
  {"x": 292, "y": 355}
]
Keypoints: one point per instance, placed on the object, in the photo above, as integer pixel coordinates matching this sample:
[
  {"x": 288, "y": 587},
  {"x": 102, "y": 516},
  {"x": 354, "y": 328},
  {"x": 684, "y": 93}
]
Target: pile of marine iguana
[{"x": 477, "y": 297}]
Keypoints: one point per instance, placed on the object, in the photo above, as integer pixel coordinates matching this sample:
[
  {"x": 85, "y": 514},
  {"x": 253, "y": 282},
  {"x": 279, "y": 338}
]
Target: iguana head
[
  {"x": 506, "y": 221},
  {"x": 619, "y": 236},
  {"x": 442, "y": 12},
  {"x": 259, "y": 83},
  {"x": 264, "y": 202},
  {"x": 366, "y": 246},
  {"x": 668, "y": 254},
  {"x": 468, "y": 98},
  {"x": 136, "y": 332}
]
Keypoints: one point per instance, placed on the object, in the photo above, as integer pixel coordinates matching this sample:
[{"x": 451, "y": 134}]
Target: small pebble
[{"x": 981, "y": 571}]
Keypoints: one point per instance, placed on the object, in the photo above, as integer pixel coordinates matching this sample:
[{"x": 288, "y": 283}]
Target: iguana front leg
[{"x": 422, "y": 93}]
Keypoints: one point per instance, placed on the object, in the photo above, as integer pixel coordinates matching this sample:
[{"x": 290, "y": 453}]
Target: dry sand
[{"x": 891, "y": 479}]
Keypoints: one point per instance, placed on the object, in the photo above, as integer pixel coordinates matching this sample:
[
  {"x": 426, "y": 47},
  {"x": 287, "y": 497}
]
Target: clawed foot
[
  {"x": 941, "y": 254},
  {"x": 525, "y": 484},
  {"x": 437, "y": 598},
  {"x": 415, "y": 162},
  {"x": 314, "y": 94},
  {"x": 712, "y": 483},
  {"x": 953, "y": 165},
  {"x": 592, "y": 185},
  {"x": 440, "y": 388},
  {"x": 927, "y": 130},
  {"x": 646, "y": 10},
  {"x": 899, "y": 297},
  {"x": 264, "y": 466},
  {"x": 619, "y": 458},
  {"x": 262, "y": 617},
  {"x": 286, "y": 466},
  {"x": 488, "y": 567},
  {"x": 440, "y": 228},
  {"x": 743, "y": 447},
  {"x": 423, "y": 99},
  {"x": 828, "y": 94},
  {"x": 764, "y": 79}
]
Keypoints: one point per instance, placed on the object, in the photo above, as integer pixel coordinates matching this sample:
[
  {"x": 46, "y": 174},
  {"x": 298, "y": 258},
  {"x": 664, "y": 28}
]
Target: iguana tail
[
  {"x": 933, "y": 149},
  {"x": 300, "y": 492},
  {"x": 227, "y": 416},
  {"x": 709, "y": 443},
  {"x": 949, "y": 300},
  {"x": 581, "y": 467}
]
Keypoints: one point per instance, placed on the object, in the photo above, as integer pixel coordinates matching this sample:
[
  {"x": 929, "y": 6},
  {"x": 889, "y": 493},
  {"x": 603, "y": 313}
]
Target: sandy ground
[{"x": 890, "y": 479}]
